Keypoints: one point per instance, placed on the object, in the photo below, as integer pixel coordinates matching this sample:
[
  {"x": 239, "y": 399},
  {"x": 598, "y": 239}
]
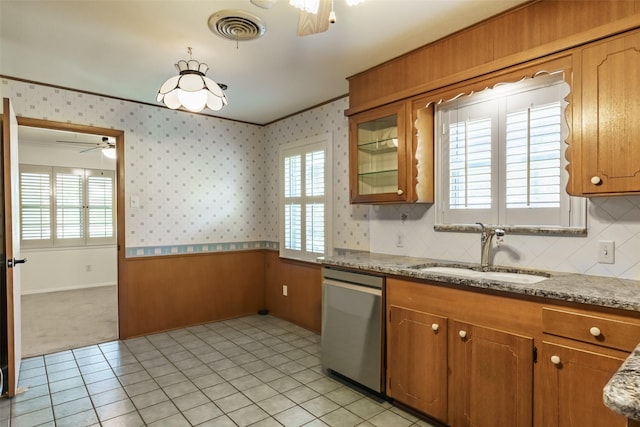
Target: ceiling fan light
[
  {"x": 109, "y": 152},
  {"x": 309, "y": 6}
]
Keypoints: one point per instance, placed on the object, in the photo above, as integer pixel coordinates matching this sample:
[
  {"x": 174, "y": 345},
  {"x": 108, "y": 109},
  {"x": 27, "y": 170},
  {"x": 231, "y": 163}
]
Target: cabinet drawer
[{"x": 592, "y": 329}]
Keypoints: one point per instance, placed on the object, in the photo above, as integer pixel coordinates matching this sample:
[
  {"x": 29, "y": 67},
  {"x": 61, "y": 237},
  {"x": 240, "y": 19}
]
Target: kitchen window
[
  {"x": 305, "y": 172},
  {"x": 501, "y": 156},
  {"x": 66, "y": 206}
]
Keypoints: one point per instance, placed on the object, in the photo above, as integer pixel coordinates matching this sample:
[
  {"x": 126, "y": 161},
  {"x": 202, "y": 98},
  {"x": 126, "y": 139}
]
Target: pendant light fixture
[{"x": 191, "y": 89}]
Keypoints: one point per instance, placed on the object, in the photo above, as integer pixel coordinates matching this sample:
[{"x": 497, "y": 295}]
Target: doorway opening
[{"x": 70, "y": 284}]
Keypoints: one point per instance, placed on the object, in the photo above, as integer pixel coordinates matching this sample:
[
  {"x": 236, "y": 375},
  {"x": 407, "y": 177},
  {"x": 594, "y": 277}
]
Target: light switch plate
[{"x": 606, "y": 252}]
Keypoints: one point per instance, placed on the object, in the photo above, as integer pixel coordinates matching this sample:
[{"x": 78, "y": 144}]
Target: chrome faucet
[{"x": 485, "y": 243}]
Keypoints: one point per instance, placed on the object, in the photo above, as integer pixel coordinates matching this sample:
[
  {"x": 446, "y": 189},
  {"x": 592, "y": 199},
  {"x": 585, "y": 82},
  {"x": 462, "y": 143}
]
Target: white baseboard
[{"x": 67, "y": 288}]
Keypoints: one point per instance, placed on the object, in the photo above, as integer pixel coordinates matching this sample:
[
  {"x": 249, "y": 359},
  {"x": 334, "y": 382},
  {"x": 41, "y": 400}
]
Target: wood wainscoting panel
[
  {"x": 174, "y": 291},
  {"x": 303, "y": 302}
]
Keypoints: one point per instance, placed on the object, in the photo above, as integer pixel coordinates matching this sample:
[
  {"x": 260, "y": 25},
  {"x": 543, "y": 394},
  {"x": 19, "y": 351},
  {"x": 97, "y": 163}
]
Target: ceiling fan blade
[
  {"x": 314, "y": 23},
  {"x": 90, "y": 149},
  {"x": 77, "y": 142}
]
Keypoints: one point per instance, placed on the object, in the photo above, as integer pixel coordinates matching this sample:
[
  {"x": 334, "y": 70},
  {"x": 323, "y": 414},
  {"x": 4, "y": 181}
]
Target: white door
[{"x": 11, "y": 238}]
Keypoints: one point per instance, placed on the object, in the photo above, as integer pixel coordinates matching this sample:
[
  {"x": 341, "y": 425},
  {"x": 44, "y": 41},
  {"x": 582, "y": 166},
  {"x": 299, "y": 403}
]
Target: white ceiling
[{"x": 127, "y": 49}]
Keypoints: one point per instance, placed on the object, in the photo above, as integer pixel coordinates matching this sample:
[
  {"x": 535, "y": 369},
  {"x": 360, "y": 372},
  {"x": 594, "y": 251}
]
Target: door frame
[{"x": 120, "y": 220}]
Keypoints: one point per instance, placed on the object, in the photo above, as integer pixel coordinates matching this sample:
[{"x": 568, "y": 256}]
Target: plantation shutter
[
  {"x": 35, "y": 206},
  {"x": 100, "y": 206},
  {"x": 293, "y": 198},
  {"x": 69, "y": 213},
  {"x": 533, "y": 187},
  {"x": 469, "y": 132},
  {"x": 314, "y": 180}
]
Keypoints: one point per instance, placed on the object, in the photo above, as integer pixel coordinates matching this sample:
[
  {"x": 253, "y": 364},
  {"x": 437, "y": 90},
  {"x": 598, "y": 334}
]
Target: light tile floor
[{"x": 254, "y": 371}]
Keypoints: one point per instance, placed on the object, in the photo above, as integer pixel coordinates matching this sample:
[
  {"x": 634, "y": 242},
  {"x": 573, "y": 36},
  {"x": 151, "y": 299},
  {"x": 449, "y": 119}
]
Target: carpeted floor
[{"x": 57, "y": 321}]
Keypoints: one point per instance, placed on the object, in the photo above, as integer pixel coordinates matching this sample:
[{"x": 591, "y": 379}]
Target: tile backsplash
[
  {"x": 209, "y": 183},
  {"x": 609, "y": 219}
]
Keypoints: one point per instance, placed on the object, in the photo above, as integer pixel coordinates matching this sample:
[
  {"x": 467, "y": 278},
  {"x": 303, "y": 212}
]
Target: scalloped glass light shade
[{"x": 191, "y": 89}]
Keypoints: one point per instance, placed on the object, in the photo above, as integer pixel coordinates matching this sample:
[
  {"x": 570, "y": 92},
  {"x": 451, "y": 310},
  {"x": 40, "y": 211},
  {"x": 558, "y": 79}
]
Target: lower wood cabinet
[
  {"x": 491, "y": 382},
  {"x": 459, "y": 373},
  {"x": 573, "y": 383},
  {"x": 485, "y": 359},
  {"x": 417, "y": 360}
]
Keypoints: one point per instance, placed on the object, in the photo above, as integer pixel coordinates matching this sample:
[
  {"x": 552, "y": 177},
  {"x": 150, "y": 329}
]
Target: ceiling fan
[
  {"x": 106, "y": 144},
  {"x": 315, "y": 15}
]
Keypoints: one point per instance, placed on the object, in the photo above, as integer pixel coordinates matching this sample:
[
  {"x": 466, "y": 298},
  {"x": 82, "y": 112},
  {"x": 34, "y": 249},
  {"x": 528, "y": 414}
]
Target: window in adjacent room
[
  {"x": 501, "y": 156},
  {"x": 305, "y": 172},
  {"x": 66, "y": 206}
]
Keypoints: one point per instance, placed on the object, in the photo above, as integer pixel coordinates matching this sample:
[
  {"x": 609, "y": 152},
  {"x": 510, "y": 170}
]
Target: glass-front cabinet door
[{"x": 380, "y": 155}]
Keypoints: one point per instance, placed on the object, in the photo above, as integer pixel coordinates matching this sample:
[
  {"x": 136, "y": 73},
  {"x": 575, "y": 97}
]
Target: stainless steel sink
[{"x": 492, "y": 273}]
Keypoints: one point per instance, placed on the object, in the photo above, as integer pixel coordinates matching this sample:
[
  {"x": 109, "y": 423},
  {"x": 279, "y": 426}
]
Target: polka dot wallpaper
[{"x": 202, "y": 183}]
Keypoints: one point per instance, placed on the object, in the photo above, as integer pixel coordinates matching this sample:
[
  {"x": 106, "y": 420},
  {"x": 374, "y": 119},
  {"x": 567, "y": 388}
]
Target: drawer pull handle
[
  {"x": 595, "y": 331},
  {"x": 463, "y": 334},
  {"x": 435, "y": 327},
  {"x": 400, "y": 192},
  {"x": 596, "y": 180},
  {"x": 555, "y": 360}
]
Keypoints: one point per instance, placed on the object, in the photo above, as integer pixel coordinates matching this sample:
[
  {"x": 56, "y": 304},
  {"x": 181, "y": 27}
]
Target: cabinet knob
[
  {"x": 595, "y": 180},
  {"x": 595, "y": 331},
  {"x": 555, "y": 360},
  {"x": 463, "y": 334},
  {"x": 435, "y": 327},
  {"x": 400, "y": 192}
]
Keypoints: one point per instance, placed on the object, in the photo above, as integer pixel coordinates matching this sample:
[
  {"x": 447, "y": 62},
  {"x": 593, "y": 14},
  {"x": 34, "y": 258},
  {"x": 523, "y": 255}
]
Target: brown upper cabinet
[
  {"x": 380, "y": 149},
  {"x": 391, "y": 154},
  {"x": 605, "y": 156}
]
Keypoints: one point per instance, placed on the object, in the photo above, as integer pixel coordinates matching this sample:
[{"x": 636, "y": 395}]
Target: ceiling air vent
[{"x": 236, "y": 25}]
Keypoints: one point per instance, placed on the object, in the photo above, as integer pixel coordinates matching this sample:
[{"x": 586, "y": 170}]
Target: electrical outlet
[
  {"x": 606, "y": 252},
  {"x": 285, "y": 290},
  {"x": 399, "y": 239}
]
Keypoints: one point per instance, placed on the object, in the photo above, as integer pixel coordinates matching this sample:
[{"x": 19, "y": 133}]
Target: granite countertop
[
  {"x": 621, "y": 394},
  {"x": 593, "y": 290}
]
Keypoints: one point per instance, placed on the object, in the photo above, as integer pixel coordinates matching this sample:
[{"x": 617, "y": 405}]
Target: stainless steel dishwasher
[{"x": 352, "y": 322}]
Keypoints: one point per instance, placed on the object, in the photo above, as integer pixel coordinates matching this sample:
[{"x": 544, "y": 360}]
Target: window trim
[{"x": 324, "y": 142}]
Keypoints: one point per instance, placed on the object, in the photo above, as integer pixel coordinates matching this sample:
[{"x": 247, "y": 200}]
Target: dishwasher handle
[{"x": 357, "y": 288}]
